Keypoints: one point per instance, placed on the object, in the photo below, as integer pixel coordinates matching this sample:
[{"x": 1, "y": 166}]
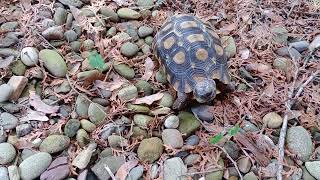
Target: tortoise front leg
[{"x": 181, "y": 101}]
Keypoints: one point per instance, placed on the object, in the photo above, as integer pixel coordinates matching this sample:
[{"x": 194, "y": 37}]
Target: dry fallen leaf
[
  {"x": 110, "y": 86},
  {"x": 32, "y": 115},
  {"x": 149, "y": 99},
  {"x": 123, "y": 171},
  {"x": 245, "y": 53},
  {"x": 269, "y": 91},
  {"x": 4, "y": 63},
  {"x": 37, "y": 103},
  {"x": 149, "y": 66},
  {"x": 258, "y": 67}
]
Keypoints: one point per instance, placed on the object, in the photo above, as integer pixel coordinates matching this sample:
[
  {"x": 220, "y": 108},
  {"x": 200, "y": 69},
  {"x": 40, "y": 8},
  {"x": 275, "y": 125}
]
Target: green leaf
[
  {"x": 215, "y": 139},
  {"x": 96, "y": 61},
  {"x": 233, "y": 131}
]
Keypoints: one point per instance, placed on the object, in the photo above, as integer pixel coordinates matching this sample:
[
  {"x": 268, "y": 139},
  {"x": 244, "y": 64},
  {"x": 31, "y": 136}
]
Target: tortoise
[{"x": 192, "y": 56}]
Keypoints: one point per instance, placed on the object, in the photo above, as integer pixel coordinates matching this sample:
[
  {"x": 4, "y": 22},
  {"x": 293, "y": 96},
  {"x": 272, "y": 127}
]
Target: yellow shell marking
[
  {"x": 168, "y": 43},
  {"x": 202, "y": 54},
  {"x": 195, "y": 37},
  {"x": 169, "y": 78},
  {"x": 176, "y": 85},
  {"x": 187, "y": 88},
  {"x": 188, "y": 24},
  {"x": 179, "y": 58},
  {"x": 215, "y": 75},
  {"x": 219, "y": 49},
  {"x": 198, "y": 77}
]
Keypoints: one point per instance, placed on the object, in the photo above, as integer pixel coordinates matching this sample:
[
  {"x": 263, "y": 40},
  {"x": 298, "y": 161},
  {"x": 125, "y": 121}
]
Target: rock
[
  {"x": 87, "y": 125},
  {"x": 70, "y": 35},
  {"x": 145, "y": 87},
  {"x": 306, "y": 175},
  {"x": 112, "y": 31},
  {"x": 173, "y": 169},
  {"x": 148, "y": 40},
  {"x": 249, "y": 127},
  {"x": 37, "y": 142},
  {"x": 9, "y": 26},
  {"x": 29, "y": 56},
  {"x": 113, "y": 162},
  {"x": 87, "y": 12},
  {"x": 172, "y": 137},
  {"x": 161, "y": 76},
  {"x": 83, "y": 158},
  {"x": 75, "y": 3},
  {"x": 35, "y": 165},
  {"x": 171, "y": 122},
  {"x": 142, "y": 120},
  {"x": 71, "y": 127},
  {"x": 96, "y": 113},
  {"x": 229, "y": 46},
  {"x": 154, "y": 171},
  {"x": 144, "y": 2},
  {"x": 75, "y": 45},
  {"x": 315, "y": 44},
  {"x": 288, "y": 52},
  {"x": 6, "y": 91},
  {"x": 106, "y": 152},
  {"x": 250, "y": 176},
  {"x": 87, "y": 74},
  {"x": 145, "y": 31},
  {"x": 203, "y": 113},
  {"x": 4, "y": 175},
  {"x": 53, "y": 33},
  {"x": 129, "y": 49},
  {"x": 63, "y": 88},
  {"x": 166, "y": 100},
  {"x": 124, "y": 70},
  {"x": 82, "y": 106},
  {"x": 88, "y": 44},
  {"x": 188, "y": 123},
  {"x": 82, "y": 138},
  {"x": 313, "y": 168},
  {"x": 272, "y": 120},
  {"x": 282, "y": 64},
  {"x": 109, "y": 13},
  {"x": 146, "y": 49},
  {"x": 23, "y": 129},
  {"x": 232, "y": 149},
  {"x": 18, "y": 68},
  {"x": 7, "y": 153},
  {"x": 8, "y": 41},
  {"x": 127, "y": 93},
  {"x": 127, "y": 13},
  {"x": 300, "y": 45},
  {"x": 53, "y": 62},
  {"x": 18, "y": 83},
  {"x": 280, "y": 34},
  {"x": 116, "y": 141},
  {"x": 192, "y": 140},
  {"x": 8, "y": 121},
  {"x": 192, "y": 159},
  {"x": 60, "y": 16},
  {"x": 46, "y": 23},
  {"x": 58, "y": 169},
  {"x": 138, "y": 132},
  {"x": 244, "y": 164},
  {"x": 150, "y": 149},
  {"x": 9, "y": 52},
  {"x": 138, "y": 108},
  {"x": 13, "y": 172},
  {"x": 135, "y": 173},
  {"x": 54, "y": 143},
  {"x": 216, "y": 175},
  {"x": 299, "y": 142}
]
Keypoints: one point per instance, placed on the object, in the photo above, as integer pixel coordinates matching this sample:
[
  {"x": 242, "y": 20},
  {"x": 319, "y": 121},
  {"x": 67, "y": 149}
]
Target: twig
[
  {"x": 233, "y": 162},
  {"x": 288, "y": 105}
]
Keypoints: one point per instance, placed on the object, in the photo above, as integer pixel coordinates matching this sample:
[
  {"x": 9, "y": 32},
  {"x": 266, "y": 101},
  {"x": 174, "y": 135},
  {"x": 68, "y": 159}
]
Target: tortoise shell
[{"x": 189, "y": 50}]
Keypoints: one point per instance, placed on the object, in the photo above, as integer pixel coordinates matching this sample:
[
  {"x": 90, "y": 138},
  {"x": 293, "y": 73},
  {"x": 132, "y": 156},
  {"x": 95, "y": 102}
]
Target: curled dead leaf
[
  {"x": 123, "y": 171},
  {"x": 259, "y": 67},
  {"x": 149, "y": 66},
  {"x": 149, "y": 99},
  {"x": 37, "y": 103},
  {"x": 32, "y": 115}
]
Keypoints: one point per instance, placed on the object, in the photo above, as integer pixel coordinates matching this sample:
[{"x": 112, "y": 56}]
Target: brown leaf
[
  {"x": 75, "y": 68},
  {"x": 37, "y": 103},
  {"x": 160, "y": 111},
  {"x": 26, "y": 4},
  {"x": 123, "y": 171},
  {"x": 110, "y": 86},
  {"x": 149, "y": 66},
  {"x": 229, "y": 27},
  {"x": 58, "y": 169},
  {"x": 258, "y": 67},
  {"x": 269, "y": 91},
  {"x": 34, "y": 116},
  {"x": 149, "y": 99}
]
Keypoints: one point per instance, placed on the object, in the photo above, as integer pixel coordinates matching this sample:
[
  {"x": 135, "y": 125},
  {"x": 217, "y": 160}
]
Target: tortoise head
[{"x": 205, "y": 90}]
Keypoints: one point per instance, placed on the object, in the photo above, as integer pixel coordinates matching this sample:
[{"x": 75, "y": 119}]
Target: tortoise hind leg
[{"x": 181, "y": 101}]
